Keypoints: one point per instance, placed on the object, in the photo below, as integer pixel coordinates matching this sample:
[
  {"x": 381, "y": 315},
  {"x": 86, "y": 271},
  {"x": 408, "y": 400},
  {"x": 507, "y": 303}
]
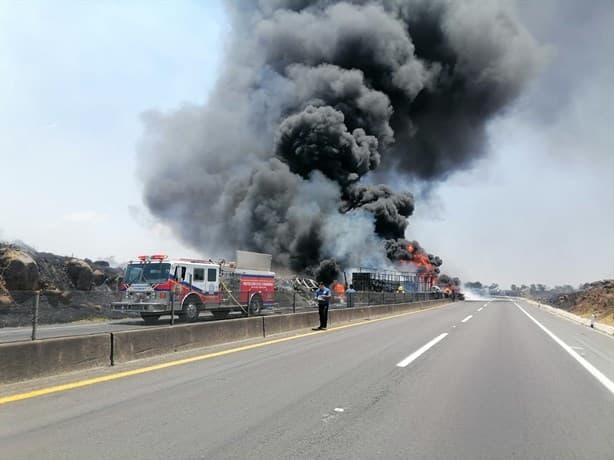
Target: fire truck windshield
[{"x": 147, "y": 273}]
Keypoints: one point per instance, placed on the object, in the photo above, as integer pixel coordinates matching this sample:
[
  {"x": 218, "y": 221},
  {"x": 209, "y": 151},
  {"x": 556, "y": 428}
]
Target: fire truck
[{"x": 156, "y": 285}]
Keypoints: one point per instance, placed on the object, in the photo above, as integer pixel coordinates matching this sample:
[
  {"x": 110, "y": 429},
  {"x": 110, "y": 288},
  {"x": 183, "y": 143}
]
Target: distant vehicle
[
  {"x": 437, "y": 292},
  {"x": 155, "y": 285}
]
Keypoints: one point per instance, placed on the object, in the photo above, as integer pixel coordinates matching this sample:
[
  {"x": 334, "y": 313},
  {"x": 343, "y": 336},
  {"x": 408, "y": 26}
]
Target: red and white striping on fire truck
[{"x": 156, "y": 285}]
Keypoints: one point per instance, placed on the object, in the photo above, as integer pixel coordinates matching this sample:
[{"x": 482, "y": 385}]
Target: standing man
[
  {"x": 349, "y": 295},
  {"x": 323, "y": 298}
]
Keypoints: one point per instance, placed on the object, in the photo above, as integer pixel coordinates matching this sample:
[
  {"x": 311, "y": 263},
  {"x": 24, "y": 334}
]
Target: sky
[{"x": 75, "y": 78}]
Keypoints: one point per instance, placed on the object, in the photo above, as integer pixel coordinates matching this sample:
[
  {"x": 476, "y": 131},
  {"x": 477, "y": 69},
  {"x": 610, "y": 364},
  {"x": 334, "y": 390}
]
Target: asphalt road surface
[
  {"x": 15, "y": 334},
  {"x": 465, "y": 381}
]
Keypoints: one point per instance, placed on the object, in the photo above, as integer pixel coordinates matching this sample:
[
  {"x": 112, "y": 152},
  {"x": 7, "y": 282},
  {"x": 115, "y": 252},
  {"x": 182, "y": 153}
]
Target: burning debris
[
  {"x": 449, "y": 285},
  {"x": 317, "y": 101},
  {"x": 411, "y": 251}
]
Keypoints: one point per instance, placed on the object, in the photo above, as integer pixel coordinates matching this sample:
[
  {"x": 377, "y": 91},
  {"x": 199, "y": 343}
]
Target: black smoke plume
[
  {"x": 327, "y": 272},
  {"x": 447, "y": 282},
  {"x": 411, "y": 251},
  {"x": 314, "y": 98}
]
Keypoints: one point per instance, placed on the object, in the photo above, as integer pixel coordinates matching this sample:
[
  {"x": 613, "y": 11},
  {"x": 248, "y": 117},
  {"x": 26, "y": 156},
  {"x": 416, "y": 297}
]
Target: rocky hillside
[
  {"x": 71, "y": 289},
  {"x": 594, "y": 298}
]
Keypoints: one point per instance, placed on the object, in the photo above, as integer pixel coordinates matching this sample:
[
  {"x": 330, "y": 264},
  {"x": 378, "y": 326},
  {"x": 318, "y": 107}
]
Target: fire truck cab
[{"x": 155, "y": 285}]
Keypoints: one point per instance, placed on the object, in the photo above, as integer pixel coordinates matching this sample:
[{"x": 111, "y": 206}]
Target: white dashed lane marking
[{"x": 416, "y": 354}]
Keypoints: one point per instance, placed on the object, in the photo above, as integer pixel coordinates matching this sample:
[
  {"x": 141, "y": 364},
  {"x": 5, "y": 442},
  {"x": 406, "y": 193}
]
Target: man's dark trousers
[{"x": 323, "y": 310}]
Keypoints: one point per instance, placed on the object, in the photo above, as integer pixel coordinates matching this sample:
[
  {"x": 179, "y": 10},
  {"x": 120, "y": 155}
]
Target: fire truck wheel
[
  {"x": 255, "y": 305},
  {"x": 150, "y": 319},
  {"x": 189, "y": 313}
]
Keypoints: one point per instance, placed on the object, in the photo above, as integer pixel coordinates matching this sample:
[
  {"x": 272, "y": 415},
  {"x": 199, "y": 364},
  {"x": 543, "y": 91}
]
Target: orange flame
[
  {"x": 420, "y": 259},
  {"x": 339, "y": 290}
]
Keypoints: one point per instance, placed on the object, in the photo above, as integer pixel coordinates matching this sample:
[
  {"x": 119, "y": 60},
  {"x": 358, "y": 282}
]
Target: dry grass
[{"x": 598, "y": 299}]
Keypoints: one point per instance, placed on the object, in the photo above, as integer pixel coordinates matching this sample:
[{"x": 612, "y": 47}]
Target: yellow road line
[{"x": 143, "y": 370}]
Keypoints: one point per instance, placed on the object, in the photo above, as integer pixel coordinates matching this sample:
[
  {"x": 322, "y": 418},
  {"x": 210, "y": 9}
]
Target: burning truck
[
  {"x": 156, "y": 285},
  {"x": 390, "y": 281},
  {"x": 450, "y": 287}
]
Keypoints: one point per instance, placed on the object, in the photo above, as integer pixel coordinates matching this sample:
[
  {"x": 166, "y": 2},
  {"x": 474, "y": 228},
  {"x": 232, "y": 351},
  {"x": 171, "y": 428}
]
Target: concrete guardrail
[
  {"x": 40, "y": 358},
  {"x": 28, "y": 360},
  {"x": 131, "y": 345},
  {"x": 279, "y": 324}
]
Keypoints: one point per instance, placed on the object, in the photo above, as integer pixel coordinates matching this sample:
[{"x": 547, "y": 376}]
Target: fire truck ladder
[{"x": 232, "y": 296}]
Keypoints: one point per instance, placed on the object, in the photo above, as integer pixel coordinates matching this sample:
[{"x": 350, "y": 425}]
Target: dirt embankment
[
  {"x": 596, "y": 298},
  {"x": 71, "y": 289},
  {"x": 80, "y": 289}
]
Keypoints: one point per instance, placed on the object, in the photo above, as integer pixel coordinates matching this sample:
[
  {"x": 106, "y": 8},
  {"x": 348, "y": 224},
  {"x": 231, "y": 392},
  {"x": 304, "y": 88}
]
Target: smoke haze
[{"x": 316, "y": 99}]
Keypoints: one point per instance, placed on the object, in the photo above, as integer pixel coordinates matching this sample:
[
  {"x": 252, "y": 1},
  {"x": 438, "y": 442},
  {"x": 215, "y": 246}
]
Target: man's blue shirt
[{"x": 324, "y": 291}]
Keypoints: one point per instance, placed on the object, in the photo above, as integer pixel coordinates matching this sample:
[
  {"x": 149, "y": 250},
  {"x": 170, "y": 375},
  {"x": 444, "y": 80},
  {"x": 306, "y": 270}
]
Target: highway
[
  {"x": 471, "y": 380},
  {"x": 47, "y": 331},
  {"x": 16, "y": 334}
]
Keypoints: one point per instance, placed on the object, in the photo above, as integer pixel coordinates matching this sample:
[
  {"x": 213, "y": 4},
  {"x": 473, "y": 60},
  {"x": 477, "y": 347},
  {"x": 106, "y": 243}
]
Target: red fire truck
[{"x": 156, "y": 285}]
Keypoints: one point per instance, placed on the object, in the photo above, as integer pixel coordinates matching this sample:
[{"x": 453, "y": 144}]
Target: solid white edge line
[
  {"x": 416, "y": 354},
  {"x": 606, "y": 382},
  {"x": 467, "y": 319}
]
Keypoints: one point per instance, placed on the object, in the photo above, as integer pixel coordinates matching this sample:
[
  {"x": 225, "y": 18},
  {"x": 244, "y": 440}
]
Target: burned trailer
[{"x": 367, "y": 280}]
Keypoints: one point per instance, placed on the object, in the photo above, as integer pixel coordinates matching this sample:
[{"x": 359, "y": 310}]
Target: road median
[
  {"x": 21, "y": 361},
  {"x": 132, "y": 345},
  {"x": 40, "y": 358}
]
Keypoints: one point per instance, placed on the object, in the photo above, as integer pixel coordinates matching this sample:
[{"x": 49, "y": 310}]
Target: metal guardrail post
[
  {"x": 37, "y": 297},
  {"x": 172, "y": 322}
]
